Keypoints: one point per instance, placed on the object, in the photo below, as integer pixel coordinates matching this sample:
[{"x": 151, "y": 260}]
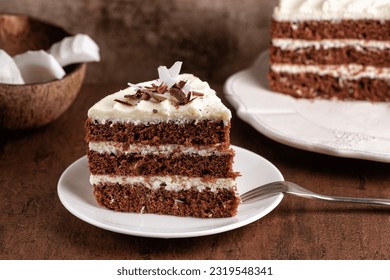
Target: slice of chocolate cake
[
  {"x": 163, "y": 147},
  {"x": 331, "y": 49}
]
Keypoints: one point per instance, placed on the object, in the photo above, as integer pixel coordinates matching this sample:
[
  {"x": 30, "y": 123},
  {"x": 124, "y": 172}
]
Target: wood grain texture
[{"x": 35, "y": 225}]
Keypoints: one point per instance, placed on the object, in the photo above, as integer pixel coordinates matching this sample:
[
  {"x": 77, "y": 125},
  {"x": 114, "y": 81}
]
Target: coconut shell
[{"x": 35, "y": 105}]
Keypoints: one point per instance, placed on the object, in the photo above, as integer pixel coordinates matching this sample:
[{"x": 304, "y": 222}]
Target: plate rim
[
  {"x": 170, "y": 235},
  {"x": 278, "y": 135}
]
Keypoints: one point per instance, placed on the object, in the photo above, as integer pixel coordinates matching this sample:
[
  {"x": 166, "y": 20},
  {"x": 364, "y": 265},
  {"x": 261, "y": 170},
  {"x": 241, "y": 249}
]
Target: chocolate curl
[
  {"x": 162, "y": 88},
  {"x": 123, "y": 102},
  {"x": 179, "y": 95}
]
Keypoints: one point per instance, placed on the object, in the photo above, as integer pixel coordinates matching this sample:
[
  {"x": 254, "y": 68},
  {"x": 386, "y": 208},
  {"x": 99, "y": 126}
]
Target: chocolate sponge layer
[
  {"x": 331, "y": 56},
  {"x": 134, "y": 164},
  {"x": 309, "y": 85},
  {"x": 326, "y": 29},
  {"x": 140, "y": 199},
  {"x": 192, "y": 133}
]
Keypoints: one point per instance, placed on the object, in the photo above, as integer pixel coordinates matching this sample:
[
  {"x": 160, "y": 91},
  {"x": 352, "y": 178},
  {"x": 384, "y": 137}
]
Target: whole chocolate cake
[{"x": 331, "y": 49}]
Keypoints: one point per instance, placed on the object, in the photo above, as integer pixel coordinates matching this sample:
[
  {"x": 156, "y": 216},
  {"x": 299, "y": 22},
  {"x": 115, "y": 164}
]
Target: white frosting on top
[
  {"x": 208, "y": 106},
  {"x": 293, "y": 10}
]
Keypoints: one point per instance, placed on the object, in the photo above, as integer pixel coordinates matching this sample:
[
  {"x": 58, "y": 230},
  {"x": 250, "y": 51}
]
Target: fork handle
[{"x": 377, "y": 201}]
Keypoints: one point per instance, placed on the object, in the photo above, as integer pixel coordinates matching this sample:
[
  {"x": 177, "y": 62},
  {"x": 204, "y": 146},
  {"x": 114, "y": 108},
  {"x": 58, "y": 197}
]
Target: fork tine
[
  {"x": 256, "y": 192},
  {"x": 260, "y": 197},
  {"x": 263, "y": 191}
]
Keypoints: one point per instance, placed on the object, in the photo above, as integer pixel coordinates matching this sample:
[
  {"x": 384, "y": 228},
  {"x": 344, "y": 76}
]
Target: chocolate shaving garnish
[
  {"x": 158, "y": 98},
  {"x": 146, "y": 94},
  {"x": 181, "y": 84},
  {"x": 141, "y": 94},
  {"x": 195, "y": 93},
  {"x": 179, "y": 95},
  {"x": 149, "y": 93},
  {"x": 162, "y": 88},
  {"x": 152, "y": 87},
  {"x": 123, "y": 102}
]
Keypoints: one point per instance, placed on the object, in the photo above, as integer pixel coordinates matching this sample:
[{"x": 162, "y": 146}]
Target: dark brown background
[{"x": 214, "y": 39}]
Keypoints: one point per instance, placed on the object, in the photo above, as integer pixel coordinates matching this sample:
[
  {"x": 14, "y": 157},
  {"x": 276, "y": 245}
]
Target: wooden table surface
[{"x": 35, "y": 225}]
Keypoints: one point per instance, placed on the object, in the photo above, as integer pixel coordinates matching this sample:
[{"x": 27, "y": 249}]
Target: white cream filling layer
[
  {"x": 115, "y": 148},
  {"x": 170, "y": 183},
  {"x": 360, "y": 45},
  {"x": 350, "y": 71}
]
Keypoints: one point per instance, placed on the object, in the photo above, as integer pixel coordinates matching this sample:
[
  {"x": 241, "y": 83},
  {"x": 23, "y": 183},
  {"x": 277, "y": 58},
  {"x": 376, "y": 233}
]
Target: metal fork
[{"x": 277, "y": 187}]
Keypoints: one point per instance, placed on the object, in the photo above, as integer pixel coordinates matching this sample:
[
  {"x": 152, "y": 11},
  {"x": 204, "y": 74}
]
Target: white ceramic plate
[
  {"x": 76, "y": 194},
  {"x": 355, "y": 129}
]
